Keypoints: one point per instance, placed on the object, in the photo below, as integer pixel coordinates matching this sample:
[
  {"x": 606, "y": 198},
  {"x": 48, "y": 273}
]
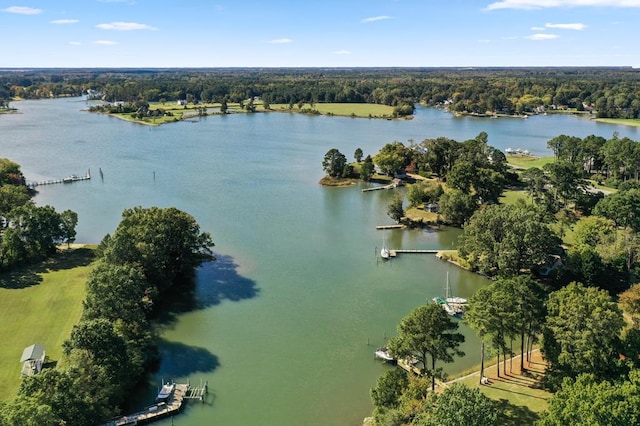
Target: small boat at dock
[
  {"x": 384, "y": 251},
  {"x": 165, "y": 392},
  {"x": 451, "y": 305},
  {"x": 383, "y": 354}
]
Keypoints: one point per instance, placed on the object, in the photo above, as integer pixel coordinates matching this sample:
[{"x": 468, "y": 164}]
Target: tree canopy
[
  {"x": 429, "y": 335},
  {"x": 581, "y": 332},
  {"x": 507, "y": 239}
]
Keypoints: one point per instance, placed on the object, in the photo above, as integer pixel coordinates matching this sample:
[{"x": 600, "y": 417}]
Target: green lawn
[
  {"x": 348, "y": 110},
  {"x": 40, "y": 305},
  {"x": 518, "y": 397},
  {"x": 528, "y": 161},
  {"x": 512, "y": 196},
  {"x": 626, "y": 121}
]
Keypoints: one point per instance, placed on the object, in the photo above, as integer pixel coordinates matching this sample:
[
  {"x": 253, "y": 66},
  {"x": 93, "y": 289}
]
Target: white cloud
[
  {"x": 281, "y": 41},
  {"x": 22, "y": 10},
  {"x": 376, "y": 18},
  {"x": 541, "y": 4},
  {"x": 105, "y": 42},
  {"x": 342, "y": 52},
  {"x": 75, "y": 43},
  {"x": 542, "y": 36},
  {"x": 538, "y": 28},
  {"x": 484, "y": 40},
  {"x": 125, "y": 26},
  {"x": 576, "y": 26},
  {"x": 64, "y": 21}
]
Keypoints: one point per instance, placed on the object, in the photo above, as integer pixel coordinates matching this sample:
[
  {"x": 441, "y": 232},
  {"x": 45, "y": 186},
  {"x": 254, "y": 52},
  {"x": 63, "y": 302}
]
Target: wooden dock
[
  {"x": 376, "y": 188},
  {"x": 389, "y": 227},
  {"x": 394, "y": 253},
  {"x": 172, "y": 406},
  {"x": 68, "y": 179},
  {"x": 410, "y": 366}
]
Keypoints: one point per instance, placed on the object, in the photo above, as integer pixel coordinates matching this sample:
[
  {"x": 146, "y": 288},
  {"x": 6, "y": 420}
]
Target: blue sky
[{"x": 314, "y": 33}]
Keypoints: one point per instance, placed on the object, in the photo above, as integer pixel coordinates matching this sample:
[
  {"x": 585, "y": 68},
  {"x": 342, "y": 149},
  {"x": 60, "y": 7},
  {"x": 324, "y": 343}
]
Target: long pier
[
  {"x": 394, "y": 253},
  {"x": 389, "y": 227},
  {"x": 68, "y": 179},
  {"x": 376, "y": 188},
  {"x": 173, "y": 405}
]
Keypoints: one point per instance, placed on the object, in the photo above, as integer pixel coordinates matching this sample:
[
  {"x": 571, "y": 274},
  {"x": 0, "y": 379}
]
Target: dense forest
[{"x": 610, "y": 92}]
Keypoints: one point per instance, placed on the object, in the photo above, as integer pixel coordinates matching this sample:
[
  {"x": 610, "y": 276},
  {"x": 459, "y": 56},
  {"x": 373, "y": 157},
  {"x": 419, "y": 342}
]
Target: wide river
[{"x": 285, "y": 323}]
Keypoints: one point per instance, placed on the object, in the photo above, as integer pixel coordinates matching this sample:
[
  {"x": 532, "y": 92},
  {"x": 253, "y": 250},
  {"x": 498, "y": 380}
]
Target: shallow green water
[{"x": 286, "y": 321}]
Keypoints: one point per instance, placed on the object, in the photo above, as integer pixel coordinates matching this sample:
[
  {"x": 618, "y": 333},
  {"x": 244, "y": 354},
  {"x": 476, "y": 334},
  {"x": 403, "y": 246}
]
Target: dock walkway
[
  {"x": 172, "y": 406},
  {"x": 394, "y": 253},
  {"x": 389, "y": 227},
  {"x": 68, "y": 179},
  {"x": 376, "y": 188}
]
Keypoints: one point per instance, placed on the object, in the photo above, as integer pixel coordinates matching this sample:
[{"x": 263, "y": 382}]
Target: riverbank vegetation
[
  {"x": 28, "y": 233},
  {"x": 564, "y": 257},
  {"x": 150, "y": 257},
  {"x": 601, "y": 92}
]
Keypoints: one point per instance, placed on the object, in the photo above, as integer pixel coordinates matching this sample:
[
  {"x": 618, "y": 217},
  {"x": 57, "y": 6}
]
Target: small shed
[
  {"x": 432, "y": 207},
  {"x": 32, "y": 359}
]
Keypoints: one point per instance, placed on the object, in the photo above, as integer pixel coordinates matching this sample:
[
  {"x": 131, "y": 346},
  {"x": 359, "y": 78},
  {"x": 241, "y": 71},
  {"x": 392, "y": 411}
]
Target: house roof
[{"x": 32, "y": 352}]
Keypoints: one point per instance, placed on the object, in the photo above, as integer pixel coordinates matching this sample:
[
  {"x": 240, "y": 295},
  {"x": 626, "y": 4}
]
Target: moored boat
[
  {"x": 384, "y": 354},
  {"x": 165, "y": 392}
]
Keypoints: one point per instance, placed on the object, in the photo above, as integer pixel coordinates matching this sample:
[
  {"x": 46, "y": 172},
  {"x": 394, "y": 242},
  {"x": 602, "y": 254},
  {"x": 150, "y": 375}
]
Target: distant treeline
[{"x": 609, "y": 92}]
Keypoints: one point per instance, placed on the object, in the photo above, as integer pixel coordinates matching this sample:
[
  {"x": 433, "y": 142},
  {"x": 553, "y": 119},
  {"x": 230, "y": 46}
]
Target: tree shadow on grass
[
  {"x": 215, "y": 281},
  {"x": 514, "y": 415},
  {"x": 29, "y": 275}
]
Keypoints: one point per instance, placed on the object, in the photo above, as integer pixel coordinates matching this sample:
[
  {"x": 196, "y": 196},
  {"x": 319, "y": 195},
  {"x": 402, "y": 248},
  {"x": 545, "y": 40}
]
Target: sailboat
[
  {"x": 384, "y": 251},
  {"x": 452, "y": 305}
]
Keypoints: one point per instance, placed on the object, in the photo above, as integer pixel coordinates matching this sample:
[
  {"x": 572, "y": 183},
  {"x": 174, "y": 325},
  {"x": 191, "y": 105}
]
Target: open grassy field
[
  {"x": 346, "y": 110},
  {"x": 39, "y": 304},
  {"x": 190, "y": 111},
  {"x": 528, "y": 161}
]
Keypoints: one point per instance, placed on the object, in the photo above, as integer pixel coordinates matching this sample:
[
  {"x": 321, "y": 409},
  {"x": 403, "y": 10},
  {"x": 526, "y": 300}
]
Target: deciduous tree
[
  {"x": 458, "y": 405},
  {"x": 507, "y": 239},
  {"x": 334, "y": 163},
  {"x": 582, "y": 332},
  {"x": 429, "y": 335}
]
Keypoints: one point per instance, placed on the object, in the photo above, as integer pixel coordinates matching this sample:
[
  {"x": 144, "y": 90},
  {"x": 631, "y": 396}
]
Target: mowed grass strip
[
  {"x": 528, "y": 161},
  {"x": 343, "y": 109},
  {"x": 518, "y": 396},
  {"x": 40, "y": 304},
  {"x": 624, "y": 121}
]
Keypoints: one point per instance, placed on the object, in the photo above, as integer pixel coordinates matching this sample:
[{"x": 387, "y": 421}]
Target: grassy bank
[
  {"x": 517, "y": 395},
  {"x": 528, "y": 161},
  {"x": 39, "y": 304},
  {"x": 344, "y": 110},
  {"x": 191, "y": 111},
  {"x": 635, "y": 122}
]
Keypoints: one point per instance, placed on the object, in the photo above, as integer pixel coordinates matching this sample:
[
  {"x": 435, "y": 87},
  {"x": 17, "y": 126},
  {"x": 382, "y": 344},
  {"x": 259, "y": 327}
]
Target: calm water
[{"x": 286, "y": 321}]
